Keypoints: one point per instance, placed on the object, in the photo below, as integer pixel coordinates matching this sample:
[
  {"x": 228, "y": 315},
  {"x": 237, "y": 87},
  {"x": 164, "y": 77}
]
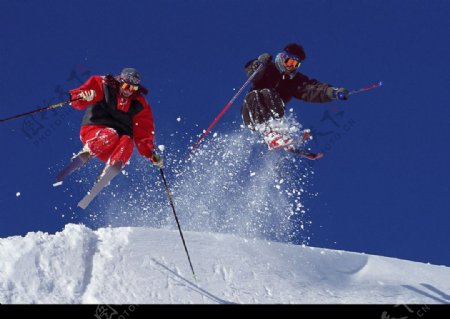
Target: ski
[
  {"x": 301, "y": 152},
  {"x": 305, "y": 154},
  {"x": 75, "y": 163},
  {"x": 103, "y": 180}
]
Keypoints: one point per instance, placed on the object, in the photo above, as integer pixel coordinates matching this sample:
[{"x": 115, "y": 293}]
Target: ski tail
[
  {"x": 108, "y": 173},
  {"x": 75, "y": 163}
]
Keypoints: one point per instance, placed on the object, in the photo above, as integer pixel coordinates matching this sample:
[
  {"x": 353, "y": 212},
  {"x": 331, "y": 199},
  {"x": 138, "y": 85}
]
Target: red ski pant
[{"x": 105, "y": 143}]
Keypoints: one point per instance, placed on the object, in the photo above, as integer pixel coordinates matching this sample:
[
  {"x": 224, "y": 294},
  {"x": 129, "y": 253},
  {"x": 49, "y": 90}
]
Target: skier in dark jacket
[{"x": 273, "y": 87}]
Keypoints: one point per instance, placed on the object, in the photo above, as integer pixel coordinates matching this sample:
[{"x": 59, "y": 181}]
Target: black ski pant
[{"x": 260, "y": 106}]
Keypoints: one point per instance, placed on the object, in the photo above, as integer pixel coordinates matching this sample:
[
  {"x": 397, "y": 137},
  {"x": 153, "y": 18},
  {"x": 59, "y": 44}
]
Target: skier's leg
[
  {"x": 118, "y": 151},
  {"x": 263, "y": 111},
  {"x": 260, "y": 106},
  {"x": 100, "y": 141},
  {"x": 122, "y": 152},
  {"x": 97, "y": 140},
  {"x": 117, "y": 160}
]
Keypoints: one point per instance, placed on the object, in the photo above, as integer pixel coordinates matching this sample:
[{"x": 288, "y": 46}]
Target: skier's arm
[
  {"x": 94, "y": 83},
  {"x": 144, "y": 130},
  {"x": 311, "y": 90}
]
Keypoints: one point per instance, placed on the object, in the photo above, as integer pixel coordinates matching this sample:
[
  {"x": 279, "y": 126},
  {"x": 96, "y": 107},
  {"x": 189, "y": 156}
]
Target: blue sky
[{"x": 384, "y": 183}]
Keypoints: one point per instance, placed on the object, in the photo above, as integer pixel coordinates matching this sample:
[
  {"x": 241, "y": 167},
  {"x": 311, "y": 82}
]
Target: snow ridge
[
  {"x": 143, "y": 265},
  {"x": 57, "y": 267}
]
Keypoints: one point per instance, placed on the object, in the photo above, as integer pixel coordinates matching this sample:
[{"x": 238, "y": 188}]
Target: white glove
[
  {"x": 157, "y": 160},
  {"x": 87, "y": 95}
]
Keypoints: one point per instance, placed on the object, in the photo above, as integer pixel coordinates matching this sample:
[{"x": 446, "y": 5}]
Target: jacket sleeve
[
  {"x": 144, "y": 130},
  {"x": 311, "y": 90},
  {"x": 93, "y": 83}
]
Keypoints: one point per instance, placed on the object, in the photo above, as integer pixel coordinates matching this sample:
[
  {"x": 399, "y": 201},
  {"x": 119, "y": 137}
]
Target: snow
[
  {"x": 241, "y": 210},
  {"x": 17, "y": 194},
  {"x": 145, "y": 265}
]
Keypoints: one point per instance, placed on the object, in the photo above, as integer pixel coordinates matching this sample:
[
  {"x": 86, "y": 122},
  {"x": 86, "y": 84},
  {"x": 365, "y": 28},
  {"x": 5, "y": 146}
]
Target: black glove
[
  {"x": 252, "y": 65},
  {"x": 265, "y": 58},
  {"x": 338, "y": 93}
]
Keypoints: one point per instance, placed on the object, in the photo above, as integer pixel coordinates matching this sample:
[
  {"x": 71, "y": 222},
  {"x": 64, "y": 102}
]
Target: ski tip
[
  {"x": 57, "y": 184},
  {"x": 314, "y": 156},
  {"x": 319, "y": 155}
]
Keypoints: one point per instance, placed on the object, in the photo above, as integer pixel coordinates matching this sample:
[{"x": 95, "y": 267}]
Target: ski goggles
[
  {"x": 129, "y": 87},
  {"x": 291, "y": 62}
]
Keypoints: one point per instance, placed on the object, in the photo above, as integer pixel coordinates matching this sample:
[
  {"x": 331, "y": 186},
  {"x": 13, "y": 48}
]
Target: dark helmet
[
  {"x": 296, "y": 49},
  {"x": 129, "y": 75}
]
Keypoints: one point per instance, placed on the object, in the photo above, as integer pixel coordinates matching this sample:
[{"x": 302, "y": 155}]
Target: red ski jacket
[{"x": 128, "y": 116}]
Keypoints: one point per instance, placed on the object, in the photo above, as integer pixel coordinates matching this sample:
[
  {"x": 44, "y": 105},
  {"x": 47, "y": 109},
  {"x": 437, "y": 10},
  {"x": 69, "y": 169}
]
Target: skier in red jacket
[{"x": 117, "y": 116}]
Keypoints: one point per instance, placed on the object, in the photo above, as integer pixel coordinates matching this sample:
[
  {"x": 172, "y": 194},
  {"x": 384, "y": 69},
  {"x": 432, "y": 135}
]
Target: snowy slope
[{"x": 142, "y": 265}]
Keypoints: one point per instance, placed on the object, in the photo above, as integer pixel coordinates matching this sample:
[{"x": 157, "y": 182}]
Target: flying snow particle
[
  {"x": 17, "y": 194},
  {"x": 161, "y": 148},
  {"x": 178, "y": 119}
]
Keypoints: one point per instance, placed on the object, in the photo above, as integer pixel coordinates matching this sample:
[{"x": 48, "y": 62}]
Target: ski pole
[
  {"x": 367, "y": 88},
  {"x": 225, "y": 108},
  {"x": 54, "y": 106},
  {"x": 176, "y": 219}
]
